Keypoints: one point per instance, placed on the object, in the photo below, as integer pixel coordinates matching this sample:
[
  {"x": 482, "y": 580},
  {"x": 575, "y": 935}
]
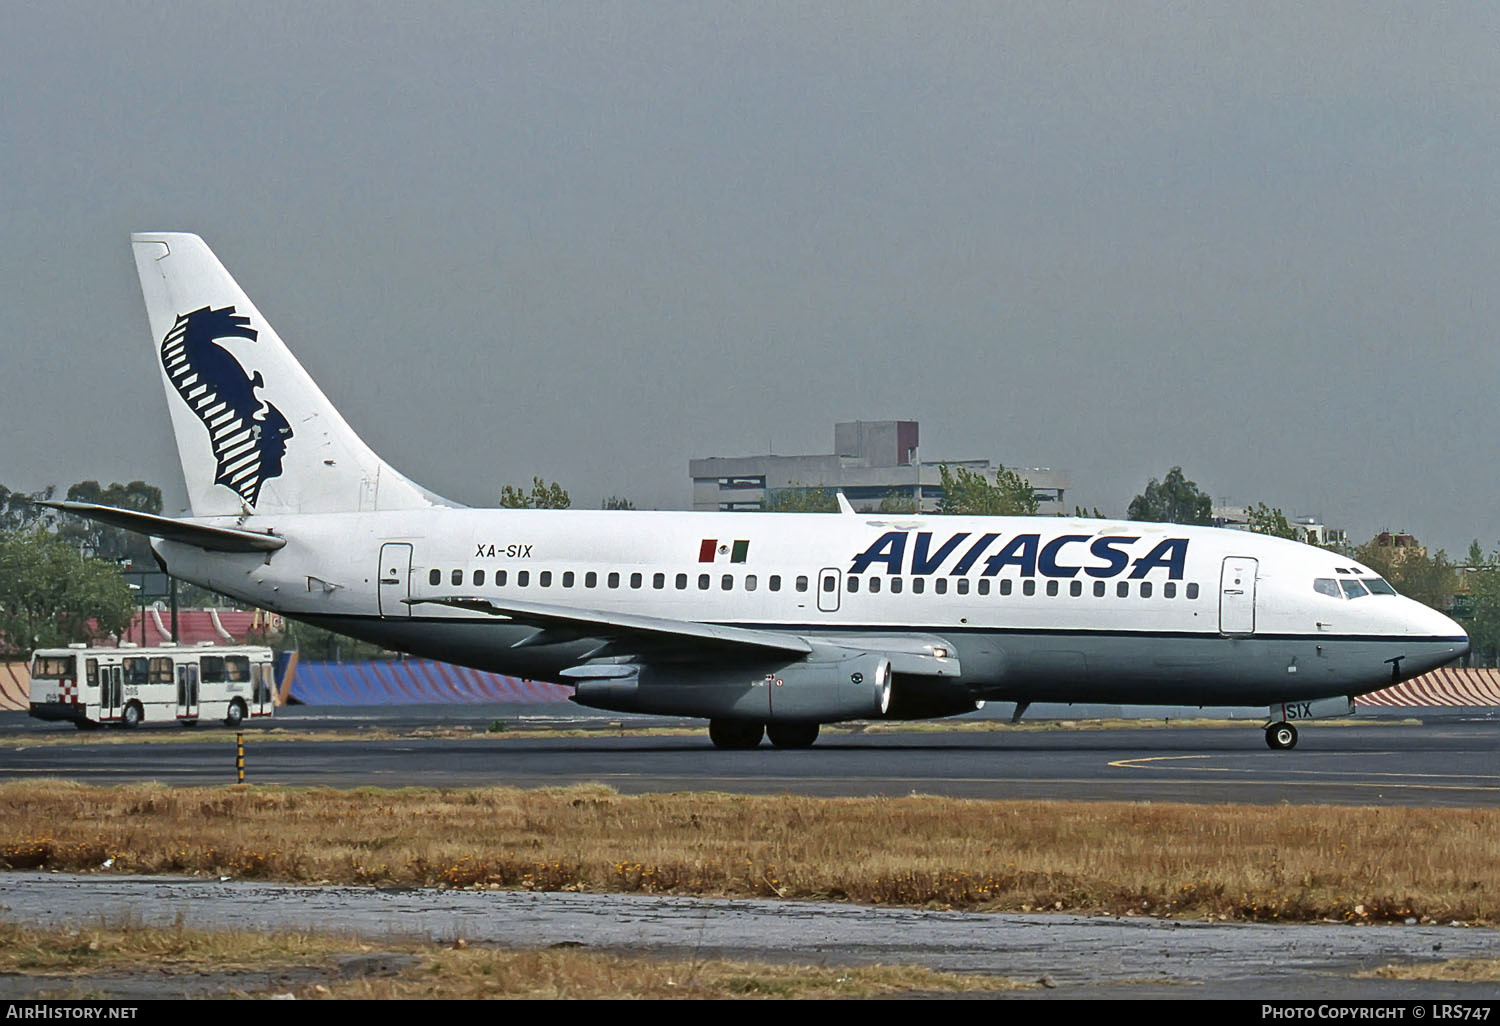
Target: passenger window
[
  {"x": 1145, "y": 589},
  {"x": 658, "y": 581},
  {"x": 1192, "y": 591},
  {"x": 590, "y": 580},
  {"x": 963, "y": 585},
  {"x": 801, "y": 583},
  {"x": 613, "y": 580},
  {"x": 635, "y": 580},
  {"x": 984, "y": 586},
  {"x": 775, "y": 582},
  {"x": 918, "y": 584},
  {"x": 1327, "y": 586},
  {"x": 726, "y": 583},
  {"x": 874, "y": 585},
  {"x": 896, "y": 585},
  {"x": 830, "y": 584},
  {"x": 545, "y": 578},
  {"x": 435, "y": 577},
  {"x": 853, "y": 585},
  {"x": 499, "y": 578},
  {"x": 1028, "y": 587},
  {"x": 523, "y": 577},
  {"x": 940, "y": 585},
  {"x": 567, "y": 578},
  {"x": 749, "y": 582},
  {"x": 703, "y": 582},
  {"x": 458, "y": 577},
  {"x": 1098, "y": 589},
  {"x": 1169, "y": 590},
  {"x": 681, "y": 582},
  {"x": 1122, "y": 589},
  {"x": 1051, "y": 588},
  {"x": 1075, "y": 588},
  {"x": 478, "y": 578},
  {"x": 1006, "y": 585}
]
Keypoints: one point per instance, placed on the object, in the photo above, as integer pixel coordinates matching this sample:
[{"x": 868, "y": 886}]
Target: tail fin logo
[{"x": 247, "y": 433}]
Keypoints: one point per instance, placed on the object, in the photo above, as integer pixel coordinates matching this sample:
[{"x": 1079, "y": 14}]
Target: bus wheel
[
  {"x": 236, "y": 714},
  {"x": 130, "y": 716}
]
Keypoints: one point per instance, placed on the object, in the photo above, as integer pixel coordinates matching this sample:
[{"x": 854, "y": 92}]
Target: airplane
[{"x": 765, "y": 625}]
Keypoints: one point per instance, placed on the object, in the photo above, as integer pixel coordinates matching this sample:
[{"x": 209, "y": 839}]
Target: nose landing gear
[{"x": 1281, "y": 736}]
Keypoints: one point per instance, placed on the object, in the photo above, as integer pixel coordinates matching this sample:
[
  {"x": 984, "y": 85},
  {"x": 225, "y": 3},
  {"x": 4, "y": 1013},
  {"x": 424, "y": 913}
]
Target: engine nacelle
[{"x": 839, "y": 686}]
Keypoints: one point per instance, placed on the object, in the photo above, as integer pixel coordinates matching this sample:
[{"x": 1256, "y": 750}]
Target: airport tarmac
[{"x": 1451, "y": 763}]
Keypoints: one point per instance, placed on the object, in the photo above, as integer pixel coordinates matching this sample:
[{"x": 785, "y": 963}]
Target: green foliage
[
  {"x": 972, "y": 494},
  {"x": 1482, "y": 575},
  {"x": 616, "y": 502},
  {"x": 542, "y": 496},
  {"x": 49, "y": 593},
  {"x": 111, "y": 543},
  {"x": 1079, "y": 513},
  {"x": 895, "y": 502},
  {"x": 1431, "y": 580},
  {"x": 796, "y": 498},
  {"x": 19, "y": 511},
  {"x": 1268, "y": 520},
  {"x": 1173, "y": 501}
]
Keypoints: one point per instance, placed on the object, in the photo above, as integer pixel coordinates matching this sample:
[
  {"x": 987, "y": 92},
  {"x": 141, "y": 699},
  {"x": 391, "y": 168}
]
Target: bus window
[
  {"x": 161, "y": 670},
  {"x": 236, "y": 668},
  {"x": 212, "y": 669},
  {"x": 135, "y": 670},
  {"x": 53, "y": 667}
]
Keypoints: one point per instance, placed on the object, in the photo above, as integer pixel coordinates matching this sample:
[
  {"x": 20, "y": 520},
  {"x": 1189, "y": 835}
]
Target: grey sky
[{"x": 589, "y": 241}]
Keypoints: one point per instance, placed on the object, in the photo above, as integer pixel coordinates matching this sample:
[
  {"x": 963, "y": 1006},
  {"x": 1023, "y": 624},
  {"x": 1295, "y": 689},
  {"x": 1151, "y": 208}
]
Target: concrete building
[
  {"x": 870, "y": 461},
  {"x": 1314, "y": 531}
]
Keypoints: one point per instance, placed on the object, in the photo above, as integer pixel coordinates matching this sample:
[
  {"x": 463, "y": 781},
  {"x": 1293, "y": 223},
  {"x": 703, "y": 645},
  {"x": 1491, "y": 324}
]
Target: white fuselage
[{"x": 1036, "y": 609}]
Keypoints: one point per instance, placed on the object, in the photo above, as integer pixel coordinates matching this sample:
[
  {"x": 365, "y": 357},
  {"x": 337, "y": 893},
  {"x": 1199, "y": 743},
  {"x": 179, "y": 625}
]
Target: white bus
[{"x": 129, "y": 685}]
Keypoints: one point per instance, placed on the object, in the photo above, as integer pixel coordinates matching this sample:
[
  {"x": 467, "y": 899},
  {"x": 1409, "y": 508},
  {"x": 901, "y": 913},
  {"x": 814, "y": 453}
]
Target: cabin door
[
  {"x": 111, "y": 691},
  {"x": 395, "y": 579},
  {"x": 1237, "y": 596},
  {"x": 187, "y": 691}
]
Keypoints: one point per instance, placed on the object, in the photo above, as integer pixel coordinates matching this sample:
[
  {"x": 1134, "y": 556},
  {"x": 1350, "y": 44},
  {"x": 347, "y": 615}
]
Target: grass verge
[
  {"x": 1342, "y": 864},
  {"x": 71, "y": 961}
]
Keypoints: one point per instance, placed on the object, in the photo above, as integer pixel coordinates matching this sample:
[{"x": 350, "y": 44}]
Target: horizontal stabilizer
[{"x": 214, "y": 539}]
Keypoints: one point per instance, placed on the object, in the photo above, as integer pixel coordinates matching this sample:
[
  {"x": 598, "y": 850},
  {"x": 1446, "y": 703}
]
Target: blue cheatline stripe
[{"x": 412, "y": 682}]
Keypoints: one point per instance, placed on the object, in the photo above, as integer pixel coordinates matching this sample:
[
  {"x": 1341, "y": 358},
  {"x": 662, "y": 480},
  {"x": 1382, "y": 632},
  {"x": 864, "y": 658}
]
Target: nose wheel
[{"x": 1281, "y": 736}]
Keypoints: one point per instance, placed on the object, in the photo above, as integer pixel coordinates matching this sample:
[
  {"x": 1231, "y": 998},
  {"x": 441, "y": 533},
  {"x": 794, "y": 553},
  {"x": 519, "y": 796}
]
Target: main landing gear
[
  {"x": 739, "y": 734},
  {"x": 1281, "y": 736}
]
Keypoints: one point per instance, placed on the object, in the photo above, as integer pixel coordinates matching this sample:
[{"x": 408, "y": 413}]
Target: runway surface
[{"x": 1446, "y": 763}]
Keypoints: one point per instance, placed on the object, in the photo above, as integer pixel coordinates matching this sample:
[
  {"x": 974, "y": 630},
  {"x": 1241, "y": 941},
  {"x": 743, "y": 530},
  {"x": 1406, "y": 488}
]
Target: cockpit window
[
  {"x": 1327, "y": 586},
  {"x": 1354, "y": 589},
  {"x": 1378, "y": 586}
]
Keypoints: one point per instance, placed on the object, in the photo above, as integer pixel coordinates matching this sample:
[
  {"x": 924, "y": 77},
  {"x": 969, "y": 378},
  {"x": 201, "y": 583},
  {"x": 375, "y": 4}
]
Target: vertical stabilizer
[{"x": 254, "y": 431}]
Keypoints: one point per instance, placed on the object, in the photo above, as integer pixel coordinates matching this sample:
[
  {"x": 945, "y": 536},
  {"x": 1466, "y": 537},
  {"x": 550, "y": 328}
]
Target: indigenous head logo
[{"x": 248, "y": 434}]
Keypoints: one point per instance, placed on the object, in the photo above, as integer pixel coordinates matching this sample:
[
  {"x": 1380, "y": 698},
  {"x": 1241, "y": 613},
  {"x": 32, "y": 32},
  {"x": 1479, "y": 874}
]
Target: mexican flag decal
[{"x": 710, "y": 550}]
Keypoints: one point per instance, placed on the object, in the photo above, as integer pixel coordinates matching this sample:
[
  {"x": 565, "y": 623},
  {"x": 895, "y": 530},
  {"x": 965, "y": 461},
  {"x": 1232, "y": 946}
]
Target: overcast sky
[{"x": 591, "y": 241}]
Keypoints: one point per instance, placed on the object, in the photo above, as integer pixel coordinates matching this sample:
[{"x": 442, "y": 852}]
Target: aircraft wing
[
  {"x": 653, "y": 637},
  {"x": 214, "y": 539}
]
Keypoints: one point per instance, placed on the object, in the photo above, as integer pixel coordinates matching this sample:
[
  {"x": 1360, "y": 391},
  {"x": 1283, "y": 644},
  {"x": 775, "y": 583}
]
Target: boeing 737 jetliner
[{"x": 761, "y": 624}]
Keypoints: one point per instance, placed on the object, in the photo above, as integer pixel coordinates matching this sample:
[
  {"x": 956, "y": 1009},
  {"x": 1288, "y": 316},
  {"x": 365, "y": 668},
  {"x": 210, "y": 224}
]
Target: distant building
[
  {"x": 1237, "y": 518},
  {"x": 871, "y": 460}
]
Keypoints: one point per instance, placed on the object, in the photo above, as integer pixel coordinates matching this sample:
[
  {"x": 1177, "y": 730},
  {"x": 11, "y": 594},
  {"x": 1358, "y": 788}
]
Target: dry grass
[
  {"x": 1343, "y": 864},
  {"x": 1460, "y": 970},
  {"x": 72, "y": 958}
]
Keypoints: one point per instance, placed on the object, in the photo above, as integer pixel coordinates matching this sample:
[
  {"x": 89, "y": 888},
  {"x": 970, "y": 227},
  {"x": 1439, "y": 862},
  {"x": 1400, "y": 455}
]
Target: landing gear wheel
[
  {"x": 1281, "y": 736},
  {"x": 130, "y": 716},
  {"x": 792, "y": 735},
  {"x": 735, "y": 733}
]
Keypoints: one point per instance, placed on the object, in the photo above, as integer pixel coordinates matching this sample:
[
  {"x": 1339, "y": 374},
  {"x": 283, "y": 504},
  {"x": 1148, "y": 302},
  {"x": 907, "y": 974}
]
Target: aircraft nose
[{"x": 1428, "y": 624}]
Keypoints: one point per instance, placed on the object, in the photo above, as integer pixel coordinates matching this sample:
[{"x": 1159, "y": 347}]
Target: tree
[
  {"x": 19, "y": 511},
  {"x": 796, "y": 498},
  {"x": 966, "y": 492},
  {"x": 896, "y": 502},
  {"x": 616, "y": 502},
  {"x": 52, "y": 595},
  {"x": 1173, "y": 501},
  {"x": 1481, "y": 613},
  {"x": 1430, "y": 580},
  {"x": 1079, "y": 513},
  {"x": 542, "y": 496},
  {"x": 1267, "y": 520},
  {"x": 111, "y": 543}
]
